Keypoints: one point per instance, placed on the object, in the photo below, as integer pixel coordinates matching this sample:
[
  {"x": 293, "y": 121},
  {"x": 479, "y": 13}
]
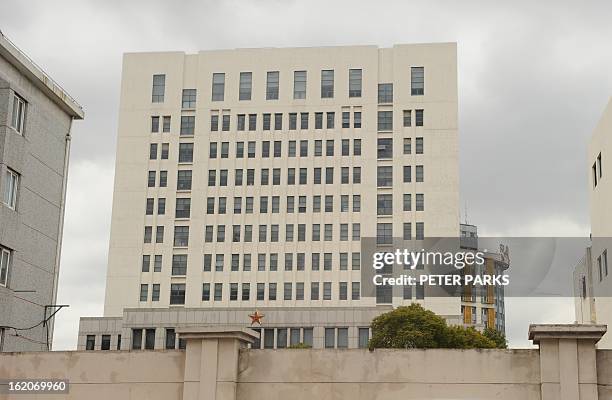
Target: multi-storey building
[
  {"x": 247, "y": 179},
  {"x": 35, "y": 121},
  {"x": 592, "y": 283},
  {"x": 484, "y": 306}
]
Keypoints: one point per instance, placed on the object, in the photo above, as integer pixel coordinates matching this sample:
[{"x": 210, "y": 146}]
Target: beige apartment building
[
  {"x": 248, "y": 179},
  {"x": 592, "y": 278}
]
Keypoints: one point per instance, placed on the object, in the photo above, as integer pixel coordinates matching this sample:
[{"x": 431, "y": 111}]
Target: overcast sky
[{"x": 534, "y": 77}]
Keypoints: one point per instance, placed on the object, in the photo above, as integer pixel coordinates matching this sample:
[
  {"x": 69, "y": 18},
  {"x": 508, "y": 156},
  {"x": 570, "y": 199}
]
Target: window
[
  {"x": 346, "y": 119},
  {"x": 355, "y": 291},
  {"x": 186, "y": 152},
  {"x": 420, "y": 231},
  {"x": 159, "y": 234},
  {"x": 318, "y": 120},
  {"x": 149, "y": 207},
  {"x": 165, "y": 149},
  {"x": 331, "y": 118},
  {"x": 159, "y": 87},
  {"x": 329, "y": 148},
  {"x": 417, "y": 79},
  {"x": 272, "y": 84},
  {"x": 407, "y": 145},
  {"x": 407, "y": 174},
  {"x": 330, "y": 338},
  {"x": 187, "y": 125},
  {"x": 356, "y": 147},
  {"x": 343, "y": 291},
  {"x": 266, "y": 121},
  {"x": 327, "y": 84},
  {"x": 214, "y": 123},
  {"x": 183, "y": 207},
  {"x": 154, "y": 124},
  {"x": 407, "y": 118},
  {"x": 420, "y": 202},
  {"x": 299, "y": 84},
  {"x": 419, "y": 173},
  {"x": 364, "y": 337},
  {"x": 252, "y": 122},
  {"x": 148, "y": 232},
  {"x": 146, "y": 263},
  {"x": 90, "y": 344},
  {"x": 385, "y": 93},
  {"x": 233, "y": 291},
  {"x": 407, "y": 202},
  {"x": 144, "y": 292},
  {"x": 225, "y": 124},
  {"x": 384, "y": 233},
  {"x": 357, "y": 119},
  {"x": 384, "y": 204},
  {"x": 420, "y": 292},
  {"x": 11, "y": 185},
  {"x": 604, "y": 258},
  {"x": 246, "y": 291},
  {"x": 272, "y": 291},
  {"x": 149, "y": 339},
  {"x": 18, "y": 113},
  {"x": 599, "y": 165},
  {"x": 354, "y": 83},
  {"x": 287, "y": 291},
  {"x": 385, "y": 149},
  {"x": 177, "y": 293},
  {"x": 304, "y": 120},
  {"x": 246, "y": 82},
  {"x": 385, "y": 120},
  {"x": 278, "y": 121},
  {"x": 181, "y": 236},
  {"x": 326, "y": 290},
  {"x": 183, "y": 180},
  {"x": 342, "y": 338},
  {"x": 189, "y": 98},
  {"x": 384, "y": 177},
  {"x": 170, "y": 338},
  {"x": 5, "y": 260},
  {"x": 594, "y": 169},
  {"x": 166, "y": 124},
  {"x": 157, "y": 264},
  {"x": 155, "y": 293},
  {"x": 218, "y": 87},
  {"x": 418, "y": 117}
]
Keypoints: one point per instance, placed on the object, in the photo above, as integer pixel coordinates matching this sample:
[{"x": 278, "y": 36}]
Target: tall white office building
[
  {"x": 247, "y": 179},
  {"x": 593, "y": 274}
]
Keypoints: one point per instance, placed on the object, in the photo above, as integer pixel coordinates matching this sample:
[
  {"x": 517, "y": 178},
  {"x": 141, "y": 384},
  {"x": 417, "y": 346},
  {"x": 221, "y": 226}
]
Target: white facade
[
  {"x": 329, "y": 126},
  {"x": 593, "y": 275}
]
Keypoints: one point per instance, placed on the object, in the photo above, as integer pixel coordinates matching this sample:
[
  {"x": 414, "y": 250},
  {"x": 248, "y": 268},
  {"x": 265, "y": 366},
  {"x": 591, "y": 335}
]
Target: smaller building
[{"x": 483, "y": 307}]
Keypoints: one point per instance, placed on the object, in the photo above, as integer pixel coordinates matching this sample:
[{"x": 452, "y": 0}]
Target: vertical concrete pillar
[
  {"x": 568, "y": 368},
  {"x": 211, "y": 361}
]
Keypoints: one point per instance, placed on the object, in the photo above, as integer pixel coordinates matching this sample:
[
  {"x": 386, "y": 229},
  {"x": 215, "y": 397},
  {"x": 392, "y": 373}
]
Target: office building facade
[{"x": 247, "y": 179}]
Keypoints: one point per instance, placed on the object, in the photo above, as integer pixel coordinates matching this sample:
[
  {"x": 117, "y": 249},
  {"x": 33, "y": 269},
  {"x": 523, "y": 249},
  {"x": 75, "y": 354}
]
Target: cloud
[{"x": 533, "y": 80}]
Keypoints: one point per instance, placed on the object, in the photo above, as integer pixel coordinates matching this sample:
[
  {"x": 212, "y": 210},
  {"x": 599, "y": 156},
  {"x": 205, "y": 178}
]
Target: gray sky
[{"x": 534, "y": 77}]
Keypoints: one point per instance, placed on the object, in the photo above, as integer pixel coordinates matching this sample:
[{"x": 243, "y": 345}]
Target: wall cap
[
  {"x": 538, "y": 332},
  {"x": 219, "y": 332}
]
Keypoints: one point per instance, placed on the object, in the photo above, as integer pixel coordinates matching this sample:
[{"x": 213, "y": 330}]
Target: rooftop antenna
[{"x": 465, "y": 215}]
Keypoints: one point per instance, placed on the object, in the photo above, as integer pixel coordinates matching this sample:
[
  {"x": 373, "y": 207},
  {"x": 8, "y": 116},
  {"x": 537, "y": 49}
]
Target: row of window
[
  {"x": 300, "y": 79},
  {"x": 183, "y": 205},
  {"x": 245, "y": 233},
  {"x": 214, "y": 292},
  {"x": 274, "y": 148},
  {"x": 269, "y": 262},
  {"x": 294, "y": 149},
  {"x": 384, "y": 121},
  {"x": 384, "y": 204},
  {"x": 384, "y": 176},
  {"x": 384, "y": 233},
  {"x": 11, "y": 186}
]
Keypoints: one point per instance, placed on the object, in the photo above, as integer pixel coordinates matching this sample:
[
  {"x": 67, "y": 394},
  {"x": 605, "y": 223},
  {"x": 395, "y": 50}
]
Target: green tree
[
  {"x": 497, "y": 337},
  {"x": 415, "y": 327}
]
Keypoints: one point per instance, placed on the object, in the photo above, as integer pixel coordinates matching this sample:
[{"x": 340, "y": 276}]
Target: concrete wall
[{"x": 217, "y": 365}]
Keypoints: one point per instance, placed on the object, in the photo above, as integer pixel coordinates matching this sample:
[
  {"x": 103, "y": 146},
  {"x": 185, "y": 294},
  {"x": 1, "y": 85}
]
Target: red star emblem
[{"x": 256, "y": 317}]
